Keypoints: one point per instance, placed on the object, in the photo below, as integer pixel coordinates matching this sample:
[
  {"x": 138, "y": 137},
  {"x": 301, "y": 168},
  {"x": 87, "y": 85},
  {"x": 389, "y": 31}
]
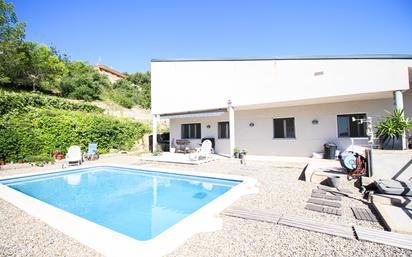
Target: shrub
[
  {"x": 124, "y": 93},
  {"x": 41, "y": 131},
  {"x": 81, "y": 86},
  {"x": 20, "y": 102},
  {"x": 39, "y": 159}
]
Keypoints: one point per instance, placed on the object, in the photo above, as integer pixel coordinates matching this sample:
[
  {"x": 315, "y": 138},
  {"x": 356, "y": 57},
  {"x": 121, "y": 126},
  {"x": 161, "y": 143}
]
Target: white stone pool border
[{"x": 112, "y": 243}]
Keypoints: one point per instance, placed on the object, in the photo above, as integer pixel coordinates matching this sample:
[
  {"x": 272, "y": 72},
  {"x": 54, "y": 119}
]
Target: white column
[
  {"x": 398, "y": 99},
  {"x": 154, "y": 132},
  {"x": 231, "y": 112}
]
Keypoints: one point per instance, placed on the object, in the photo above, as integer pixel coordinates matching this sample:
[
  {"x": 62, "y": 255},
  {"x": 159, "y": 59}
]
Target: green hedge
[
  {"x": 19, "y": 102},
  {"x": 41, "y": 131}
]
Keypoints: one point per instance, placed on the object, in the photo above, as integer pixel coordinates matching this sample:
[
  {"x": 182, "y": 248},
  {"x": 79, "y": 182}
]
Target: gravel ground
[
  {"x": 23, "y": 235},
  {"x": 279, "y": 190}
]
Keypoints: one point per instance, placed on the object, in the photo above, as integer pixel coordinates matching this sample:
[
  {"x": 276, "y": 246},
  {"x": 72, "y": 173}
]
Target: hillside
[{"x": 34, "y": 126}]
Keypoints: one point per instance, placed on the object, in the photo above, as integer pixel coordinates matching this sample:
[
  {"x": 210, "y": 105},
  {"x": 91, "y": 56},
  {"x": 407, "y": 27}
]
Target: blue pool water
[{"x": 140, "y": 204}]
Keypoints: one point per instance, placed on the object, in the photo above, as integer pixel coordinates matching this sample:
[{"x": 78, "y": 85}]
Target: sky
[{"x": 127, "y": 34}]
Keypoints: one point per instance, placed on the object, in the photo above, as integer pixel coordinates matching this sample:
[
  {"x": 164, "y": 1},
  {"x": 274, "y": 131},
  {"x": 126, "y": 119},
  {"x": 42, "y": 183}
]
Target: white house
[{"x": 278, "y": 106}]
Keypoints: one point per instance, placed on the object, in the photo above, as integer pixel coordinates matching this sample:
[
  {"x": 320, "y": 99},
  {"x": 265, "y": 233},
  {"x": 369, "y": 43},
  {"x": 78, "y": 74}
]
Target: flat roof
[{"x": 320, "y": 57}]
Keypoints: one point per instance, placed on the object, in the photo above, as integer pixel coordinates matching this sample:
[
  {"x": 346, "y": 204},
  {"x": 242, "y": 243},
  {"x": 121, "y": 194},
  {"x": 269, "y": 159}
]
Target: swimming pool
[{"x": 133, "y": 208}]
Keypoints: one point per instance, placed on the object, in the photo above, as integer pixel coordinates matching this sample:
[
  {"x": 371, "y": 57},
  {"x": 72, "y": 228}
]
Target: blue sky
[{"x": 127, "y": 34}]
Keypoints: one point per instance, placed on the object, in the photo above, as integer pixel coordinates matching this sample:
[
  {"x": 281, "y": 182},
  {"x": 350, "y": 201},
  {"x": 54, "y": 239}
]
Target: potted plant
[
  {"x": 236, "y": 152},
  {"x": 57, "y": 154},
  {"x": 242, "y": 154},
  {"x": 391, "y": 129}
]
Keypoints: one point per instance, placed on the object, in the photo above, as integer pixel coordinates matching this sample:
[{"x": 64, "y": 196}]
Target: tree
[
  {"x": 11, "y": 44},
  {"x": 125, "y": 93},
  {"x": 81, "y": 81},
  {"x": 44, "y": 69},
  {"x": 143, "y": 82}
]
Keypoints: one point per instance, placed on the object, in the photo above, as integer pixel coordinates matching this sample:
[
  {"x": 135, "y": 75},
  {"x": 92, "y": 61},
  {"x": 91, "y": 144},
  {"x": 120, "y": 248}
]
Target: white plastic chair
[
  {"x": 74, "y": 155},
  {"x": 205, "y": 151}
]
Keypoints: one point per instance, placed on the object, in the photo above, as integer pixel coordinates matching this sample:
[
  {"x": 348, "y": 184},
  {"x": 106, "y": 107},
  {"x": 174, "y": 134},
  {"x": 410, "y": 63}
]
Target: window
[
  {"x": 284, "y": 128},
  {"x": 348, "y": 127},
  {"x": 191, "y": 131},
  {"x": 223, "y": 129}
]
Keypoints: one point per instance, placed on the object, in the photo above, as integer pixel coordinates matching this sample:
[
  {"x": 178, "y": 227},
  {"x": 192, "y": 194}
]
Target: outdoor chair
[
  {"x": 205, "y": 151},
  {"x": 73, "y": 156},
  {"x": 92, "y": 152}
]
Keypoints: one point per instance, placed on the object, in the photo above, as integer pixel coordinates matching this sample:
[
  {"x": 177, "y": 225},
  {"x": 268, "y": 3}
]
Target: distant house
[
  {"x": 279, "y": 106},
  {"x": 113, "y": 75}
]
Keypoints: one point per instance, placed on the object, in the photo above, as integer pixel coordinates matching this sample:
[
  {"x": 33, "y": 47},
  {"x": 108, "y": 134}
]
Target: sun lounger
[
  {"x": 205, "y": 151},
  {"x": 73, "y": 156},
  {"x": 92, "y": 152}
]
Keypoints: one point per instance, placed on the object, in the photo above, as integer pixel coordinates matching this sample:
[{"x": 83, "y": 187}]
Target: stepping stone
[
  {"x": 364, "y": 214},
  {"x": 319, "y": 208},
  {"x": 252, "y": 214},
  {"x": 324, "y": 202},
  {"x": 327, "y": 197},
  {"x": 383, "y": 237},
  {"x": 317, "y": 226}
]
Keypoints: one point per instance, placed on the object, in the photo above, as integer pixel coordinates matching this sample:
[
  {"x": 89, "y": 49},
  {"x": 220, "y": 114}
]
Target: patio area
[
  {"x": 280, "y": 191},
  {"x": 179, "y": 158}
]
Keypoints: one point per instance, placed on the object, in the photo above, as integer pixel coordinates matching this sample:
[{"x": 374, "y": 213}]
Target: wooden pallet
[
  {"x": 253, "y": 214},
  {"x": 321, "y": 227},
  {"x": 384, "y": 237},
  {"x": 364, "y": 214}
]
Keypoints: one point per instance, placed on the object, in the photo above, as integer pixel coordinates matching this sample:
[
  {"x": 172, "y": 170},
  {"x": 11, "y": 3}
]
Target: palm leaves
[{"x": 393, "y": 126}]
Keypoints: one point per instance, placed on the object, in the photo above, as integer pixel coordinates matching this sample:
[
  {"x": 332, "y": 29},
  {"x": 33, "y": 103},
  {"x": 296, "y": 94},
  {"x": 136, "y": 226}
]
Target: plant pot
[
  {"x": 2, "y": 162},
  {"x": 334, "y": 181},
  {"x": 20, "y": 161},
  {"x": 391, "y": 143},
  {"x": 236, "y": 155}
]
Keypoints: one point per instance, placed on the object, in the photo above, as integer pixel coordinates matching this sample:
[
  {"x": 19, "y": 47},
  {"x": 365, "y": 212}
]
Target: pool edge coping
[{"x": 112, "y": 243}]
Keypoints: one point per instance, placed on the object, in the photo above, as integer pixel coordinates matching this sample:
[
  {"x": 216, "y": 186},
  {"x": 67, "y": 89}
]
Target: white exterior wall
[
  {"x": 201, "y": 85},
  {"x": 258, "y": 140},
  {"x": 221, "y": 145},
  {"x": 261, "y": 90}
]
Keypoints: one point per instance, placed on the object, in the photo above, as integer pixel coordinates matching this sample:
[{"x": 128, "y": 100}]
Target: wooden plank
[
  {"x": 314, "y": 207},
  {"x": 364, "y": 214},
  {"x": 318, "y": 191},
  {"x": 333, "y": 197},
  {"x": 253, "y": 214},
  {"x": 316, "y": 226},
  {"x": 324, "y": 202},
  {"x": 384, "y": 237},
  {"x": 316, "y": 195},
  {"x": 333, "y": 211}
]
